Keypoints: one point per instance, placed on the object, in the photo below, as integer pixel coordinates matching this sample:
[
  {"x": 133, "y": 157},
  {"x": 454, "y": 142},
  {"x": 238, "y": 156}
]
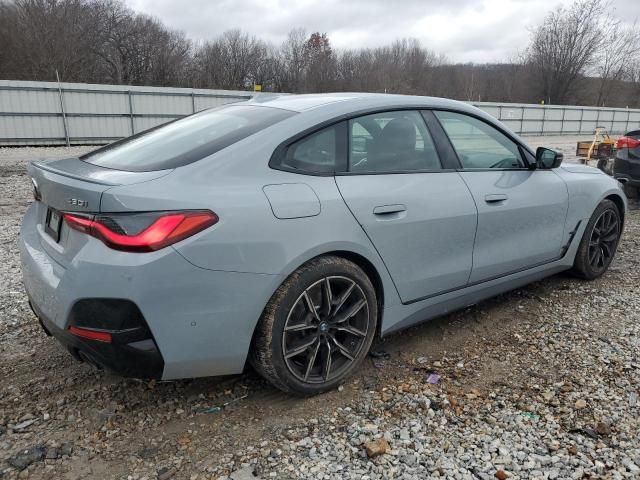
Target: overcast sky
[{"x": 464, "y": 30}]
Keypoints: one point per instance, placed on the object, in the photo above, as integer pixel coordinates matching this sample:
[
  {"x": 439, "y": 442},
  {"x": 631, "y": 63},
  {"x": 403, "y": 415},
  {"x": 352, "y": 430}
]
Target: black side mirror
[{"x": 547, "y": 158}]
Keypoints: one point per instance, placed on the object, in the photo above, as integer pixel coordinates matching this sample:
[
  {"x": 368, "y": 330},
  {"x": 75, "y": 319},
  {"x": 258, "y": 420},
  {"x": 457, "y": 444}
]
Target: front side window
[
  {"x": 391, "y": 142},
  {"x": 478, "y": 144},
  {"x": 186, "y": 140}
]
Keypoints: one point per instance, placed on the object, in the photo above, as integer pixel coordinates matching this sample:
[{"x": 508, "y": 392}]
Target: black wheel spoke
[
  {"x": 342, "y": 349},
  {"x": 326, "y": 370},
  {"x": 299, "y": 327},
  {"x": 328, "y": 296},
  {"x": 343, "y": 298},
  {"x": 310, "y": 306},
  {"x": 300, "y": 348},
  {"x": 311, "y": 361},
  {"x": 351, "y": 330},
  {"x": 350, "y": 312}
]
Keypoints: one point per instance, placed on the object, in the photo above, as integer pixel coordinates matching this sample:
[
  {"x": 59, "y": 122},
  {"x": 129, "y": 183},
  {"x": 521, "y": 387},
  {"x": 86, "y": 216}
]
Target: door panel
[
  {"x": 422, "y": 224},
  {"x": 521, "y": 219}
]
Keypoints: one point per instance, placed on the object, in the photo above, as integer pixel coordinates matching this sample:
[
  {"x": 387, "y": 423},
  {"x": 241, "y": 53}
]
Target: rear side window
[
  {"x": 318, "y": 152},
  {"x": 391, "y": 142},
  {"x": 186, "y": 140}
]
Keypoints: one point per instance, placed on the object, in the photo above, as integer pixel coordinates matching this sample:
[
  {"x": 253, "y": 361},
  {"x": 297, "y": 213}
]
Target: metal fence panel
[
  {"x": 31, "y": 113},
  {"x": 527, "y": 119}
]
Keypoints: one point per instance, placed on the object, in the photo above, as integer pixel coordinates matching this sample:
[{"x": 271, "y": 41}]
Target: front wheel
[
  {"x": 317, "y": 327},
  {"x": 599, "y": 241}
]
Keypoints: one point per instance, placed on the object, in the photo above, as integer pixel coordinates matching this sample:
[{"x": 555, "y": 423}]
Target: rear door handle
[
  {"x": 386, "y": 209},
  {"x": 495, "y": 198}
]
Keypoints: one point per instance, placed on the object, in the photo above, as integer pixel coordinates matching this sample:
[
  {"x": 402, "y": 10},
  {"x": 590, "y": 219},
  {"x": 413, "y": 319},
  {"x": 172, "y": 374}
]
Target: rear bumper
[
  {"x": 201, "y": 321},
  {"x": 139, "y": 359},
  {"x": 626, "y": 168},
  {"x": 627, "y": 180}
]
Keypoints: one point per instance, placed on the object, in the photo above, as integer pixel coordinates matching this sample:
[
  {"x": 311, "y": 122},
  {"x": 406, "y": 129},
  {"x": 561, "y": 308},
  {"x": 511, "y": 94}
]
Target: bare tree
[
  {"x": 579, "y": 54},
  {"x": 621, "y": 44},
  {"x": 48, "y": 35},
  {"x": 292, "y": 62},
  {"x": 320, "y": 63},
  {"x": 565, "y": 46},
  {"x": 235, "y": 60}
]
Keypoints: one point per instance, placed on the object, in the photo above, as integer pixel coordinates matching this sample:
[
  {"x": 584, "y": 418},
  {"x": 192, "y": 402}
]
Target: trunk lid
[
  {"x": 72, "y": 185},
  {"x": 76, "y": 186}
]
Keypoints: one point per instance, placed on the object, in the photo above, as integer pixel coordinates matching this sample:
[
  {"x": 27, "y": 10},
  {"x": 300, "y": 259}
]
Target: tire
[
  {"x": 324, "y": 348},
  {"x": 605, "y": 165},
  {"x": 599, "y": 242},
  {"x": 630, "y": 192}
]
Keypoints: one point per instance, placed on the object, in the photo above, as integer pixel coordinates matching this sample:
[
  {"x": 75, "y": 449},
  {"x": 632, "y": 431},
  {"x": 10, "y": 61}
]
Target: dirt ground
[{"x": 539, "y": 350}]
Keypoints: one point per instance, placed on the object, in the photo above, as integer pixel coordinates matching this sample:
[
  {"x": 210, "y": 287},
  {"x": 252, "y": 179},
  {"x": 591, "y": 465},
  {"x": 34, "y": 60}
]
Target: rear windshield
[{"x": 186, "y": 140}]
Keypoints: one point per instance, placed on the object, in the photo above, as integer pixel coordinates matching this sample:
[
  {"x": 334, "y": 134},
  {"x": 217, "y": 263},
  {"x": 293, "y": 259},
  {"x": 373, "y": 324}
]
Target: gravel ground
[{"x": 542, "y": 382}]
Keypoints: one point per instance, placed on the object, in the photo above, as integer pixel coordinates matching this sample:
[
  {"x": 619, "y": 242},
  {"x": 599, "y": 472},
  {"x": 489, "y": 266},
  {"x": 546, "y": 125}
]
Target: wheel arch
[
  {"x": 360, "y": 260},
  {"x": 620, "y": 203},
  {"x": 372, "y": 272}
]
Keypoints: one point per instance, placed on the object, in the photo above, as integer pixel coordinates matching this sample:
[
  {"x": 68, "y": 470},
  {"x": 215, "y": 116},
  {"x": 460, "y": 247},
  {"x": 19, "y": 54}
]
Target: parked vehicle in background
[
  {"x": 290, "y": 231},
  {"x": 626, "y": 166}
]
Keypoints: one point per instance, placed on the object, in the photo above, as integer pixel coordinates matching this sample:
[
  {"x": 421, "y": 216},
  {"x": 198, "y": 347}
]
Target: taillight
[
  {"x": 142, "y": 232},
  {"x": 91, "y": 334},
  {"x": 627, "y": 142}
]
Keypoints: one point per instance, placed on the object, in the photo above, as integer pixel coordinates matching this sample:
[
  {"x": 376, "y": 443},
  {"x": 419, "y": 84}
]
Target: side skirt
[{"x": 403, "y": 316}]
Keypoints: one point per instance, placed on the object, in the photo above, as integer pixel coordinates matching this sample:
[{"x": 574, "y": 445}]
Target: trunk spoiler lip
[{"x": 45, "y": 165}]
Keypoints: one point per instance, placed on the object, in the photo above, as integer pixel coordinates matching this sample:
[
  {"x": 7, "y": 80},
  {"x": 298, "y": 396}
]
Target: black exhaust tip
[{"x": 88, "y": 360}]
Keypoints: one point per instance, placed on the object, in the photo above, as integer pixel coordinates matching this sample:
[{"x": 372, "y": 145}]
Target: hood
[{"x": 578, "y": 168}]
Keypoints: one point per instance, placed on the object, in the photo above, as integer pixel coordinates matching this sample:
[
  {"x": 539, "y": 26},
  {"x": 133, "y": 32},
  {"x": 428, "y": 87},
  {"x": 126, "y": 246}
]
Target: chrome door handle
[
  {"x": 386, "y": 209},
  {"x": 495, "y": 198}
]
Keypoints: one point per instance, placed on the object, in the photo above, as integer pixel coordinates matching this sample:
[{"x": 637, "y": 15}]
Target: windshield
[{"x": 186, "y": 140}]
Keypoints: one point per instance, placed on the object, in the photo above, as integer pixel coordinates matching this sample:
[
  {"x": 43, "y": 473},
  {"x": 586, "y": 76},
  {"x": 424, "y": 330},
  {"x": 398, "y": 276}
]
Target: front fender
[{"x": 586, "y": 191}]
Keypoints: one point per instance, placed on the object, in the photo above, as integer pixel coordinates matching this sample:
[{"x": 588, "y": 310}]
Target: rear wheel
[
  {"x": 317, "y": 327},
  {"x": 599, "y": 241}
]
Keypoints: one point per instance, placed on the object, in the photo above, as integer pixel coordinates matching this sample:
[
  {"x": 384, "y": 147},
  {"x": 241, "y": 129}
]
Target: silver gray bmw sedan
[{"x": 289, "y": 231}]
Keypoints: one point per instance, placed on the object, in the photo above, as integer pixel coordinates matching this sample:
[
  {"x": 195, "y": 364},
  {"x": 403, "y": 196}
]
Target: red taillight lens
[
  {"x": 143, "y": 232},
  {"x": 627, "y": 142},
  {"x": 91, "y": 334}
]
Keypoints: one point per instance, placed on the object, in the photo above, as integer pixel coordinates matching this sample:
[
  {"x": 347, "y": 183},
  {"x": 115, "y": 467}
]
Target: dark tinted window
[
  {"x": 186, "y": 140},
  {"x": 478, "y": 144},
  {"x": 391, "y": 142},
  {"x": 315, "y": 153}
]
